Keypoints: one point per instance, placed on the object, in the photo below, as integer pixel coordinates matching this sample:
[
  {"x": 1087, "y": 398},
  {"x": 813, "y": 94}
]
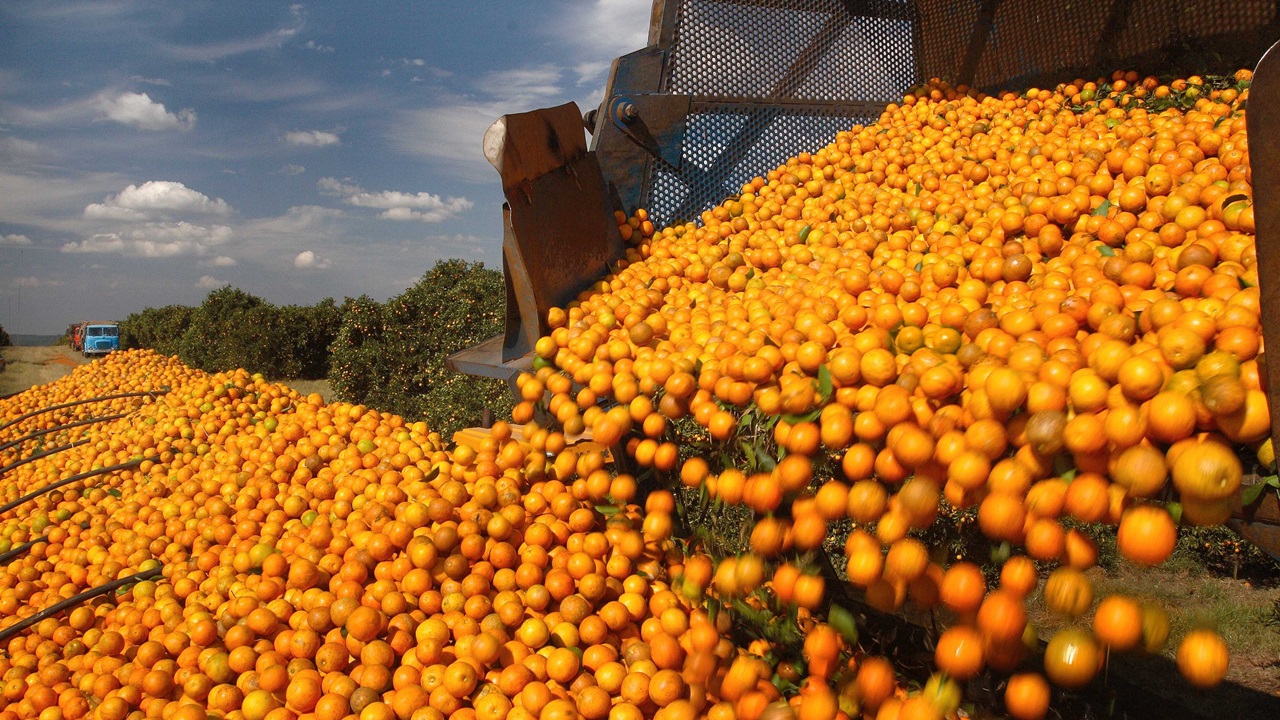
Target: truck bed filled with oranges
[{"x": 1039, "y": 309}]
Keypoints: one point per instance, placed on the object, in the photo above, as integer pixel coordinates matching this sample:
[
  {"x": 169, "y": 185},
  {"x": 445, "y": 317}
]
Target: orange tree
[
  {"x": 391, "y": 355},
  {"x": 234, "y": 329}
]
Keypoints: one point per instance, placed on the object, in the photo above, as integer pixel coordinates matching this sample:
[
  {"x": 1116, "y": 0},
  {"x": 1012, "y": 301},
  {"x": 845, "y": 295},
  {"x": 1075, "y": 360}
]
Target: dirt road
[{"x": 30, "y": 366}]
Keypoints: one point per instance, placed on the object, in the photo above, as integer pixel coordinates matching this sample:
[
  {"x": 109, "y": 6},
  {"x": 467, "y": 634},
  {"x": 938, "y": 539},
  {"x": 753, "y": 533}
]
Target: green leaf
[
  {"x": 797, "y": 419},
  {"x": 824, "y": 383},
  {"x": 1102, "y": 209},
  {"x": 1001, "y": 553},
  {"x": 765, "y": 461},
  {"x": 608, "y": 510},
  {"x": 1273, "y": 481},
  {"x": 804, "y": 233},
  {"x": 842, "y": 622},
  {"x": 1175, "y": 510},
  {"x": 1106, "y": 251},
  {"x": 1252, "y": 493}
]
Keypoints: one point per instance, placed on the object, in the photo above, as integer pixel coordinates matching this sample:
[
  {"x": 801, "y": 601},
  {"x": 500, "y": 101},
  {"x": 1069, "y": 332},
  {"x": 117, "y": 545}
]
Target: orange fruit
[
  {"x": 1207, "y": 471},
  {"x": 1203, "y": 658},
  {"x": 1147, "y": 535},
  {"x": 1072, "y": 658},
  {"x": 1026, "y": 696},
  {"x": 1068, "y": 591},
  {"x": 1117, "y": 622},
  {"x": 959, "y": 652}
]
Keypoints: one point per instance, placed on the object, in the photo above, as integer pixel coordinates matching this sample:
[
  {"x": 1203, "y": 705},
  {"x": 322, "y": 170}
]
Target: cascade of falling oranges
[{"x": 1039, "y": 307}]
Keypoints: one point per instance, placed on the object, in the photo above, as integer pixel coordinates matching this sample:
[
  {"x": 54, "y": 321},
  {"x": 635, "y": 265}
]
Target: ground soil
[
  {"x": 1247, "y": 614},
  {"x": 27, "y": 367}
]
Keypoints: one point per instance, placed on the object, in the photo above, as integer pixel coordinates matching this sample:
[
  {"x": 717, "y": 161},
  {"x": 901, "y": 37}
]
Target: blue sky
[{"x": 152, "y": 151}]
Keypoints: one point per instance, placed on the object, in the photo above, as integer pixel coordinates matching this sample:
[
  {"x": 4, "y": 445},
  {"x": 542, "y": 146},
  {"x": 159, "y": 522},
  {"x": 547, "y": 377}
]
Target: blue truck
[{"x": 98, "y": 338}]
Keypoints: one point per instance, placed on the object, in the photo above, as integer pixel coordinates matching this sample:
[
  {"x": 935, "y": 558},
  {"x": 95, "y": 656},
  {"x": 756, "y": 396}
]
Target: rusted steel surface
[
  {"x": 1259, "y": 523},
  {"x": 1263, "y": 121},
  {"x": 559, "y": 235},
  {"x": 563, "y": 238}
]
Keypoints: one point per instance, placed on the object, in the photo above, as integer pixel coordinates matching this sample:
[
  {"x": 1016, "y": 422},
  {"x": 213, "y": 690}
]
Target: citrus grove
[{"x": 1039, "y": 309}]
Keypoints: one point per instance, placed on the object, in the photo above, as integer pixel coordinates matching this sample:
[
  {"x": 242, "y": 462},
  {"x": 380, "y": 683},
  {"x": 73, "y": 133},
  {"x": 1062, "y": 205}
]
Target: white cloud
[
  {"x": 291, "y": 169},
  {"x": 155, "y": 198},
  {"x": 418, "y": 67},
  {"x": 609, "y": 28},
  {"x": 140, "y": 111},
  {"x": 12, "y": 148},
  {"x": 311, "y": 138},
  {"x": 31, "y": 282},
  {"x": 307, "y": 259},
  {"x": 110, "y": 243},
  {"x": 220, "y": 261},
  {"x": 309, "y": 220},
  {"x": 397, "y": 205},
  {"x": 51, "y": 202},
  {"x": 451, "y": 131},
  {"x": 209, "y": 282},
  {"x": 450, "y": 135},
  {"x": 523, "y": 88},
  {"x": 15, "y": 240},
  {"x": 313, "y": 45},
  {"x": 155, "y": 240},
  {"x": 150, "y": 81},
  {"x": 271, "y": 40}
]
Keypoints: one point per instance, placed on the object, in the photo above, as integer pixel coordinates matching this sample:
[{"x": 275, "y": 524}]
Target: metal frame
[{"x": 1261, "y": 523}]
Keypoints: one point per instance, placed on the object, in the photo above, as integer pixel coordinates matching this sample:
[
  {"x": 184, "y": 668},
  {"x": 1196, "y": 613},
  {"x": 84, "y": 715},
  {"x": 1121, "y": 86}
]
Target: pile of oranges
[
  {"x": 1038, "y": 308},
  {"x": 1042, "y": 307},
  {"x": 330, "y": 561}
]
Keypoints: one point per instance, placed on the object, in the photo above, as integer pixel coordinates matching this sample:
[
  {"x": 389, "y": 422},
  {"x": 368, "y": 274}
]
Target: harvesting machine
[{"x": 728, "y": 88}]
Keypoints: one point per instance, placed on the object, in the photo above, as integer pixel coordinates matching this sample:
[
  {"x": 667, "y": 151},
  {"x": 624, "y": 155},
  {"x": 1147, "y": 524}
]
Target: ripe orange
[
  {"x": 1147, "y": 535},
  {"x": 1118, "y": 622},
  {"x": 959, "y": 652},
  {"x": 1072, "y": 658},
  {"x": 1026, "y": 696},
  {"x": 1203, "y": 658},
  {"x": 1068, "y": 591},
  {"x": 1207, "y": 471},
  {"x": 963, "y": 588}
]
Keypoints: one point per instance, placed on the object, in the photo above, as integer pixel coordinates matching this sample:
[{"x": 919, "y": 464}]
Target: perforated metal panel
[
  {"x": 767, "y": 79},
  {"x": 716, "y": 164},
  {"x": 797, "y": 50},
  {"x": 1012, "y": 44}
]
